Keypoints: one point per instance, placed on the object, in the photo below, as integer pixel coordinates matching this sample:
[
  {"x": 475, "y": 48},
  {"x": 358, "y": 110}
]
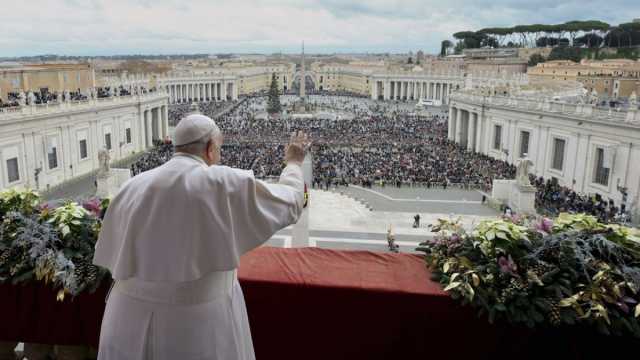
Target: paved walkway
[
  {"x": 420, "y": 200},
  {"x": 340, "y": 222}
]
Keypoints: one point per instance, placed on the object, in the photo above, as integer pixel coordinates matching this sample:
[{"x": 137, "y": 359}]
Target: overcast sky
[{"x": 106, "y": 27}]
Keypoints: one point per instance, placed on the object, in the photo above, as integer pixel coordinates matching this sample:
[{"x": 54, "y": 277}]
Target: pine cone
[
  {"x": 4, "y": 256},
  {"x": 540, "y": 269},
  {"x": 554, "y": 311},
  {"x": 81, "y": 271}
]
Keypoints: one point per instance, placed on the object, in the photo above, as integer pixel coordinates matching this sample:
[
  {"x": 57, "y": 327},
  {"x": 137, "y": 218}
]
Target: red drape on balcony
[{"x": 325, "y": 304}]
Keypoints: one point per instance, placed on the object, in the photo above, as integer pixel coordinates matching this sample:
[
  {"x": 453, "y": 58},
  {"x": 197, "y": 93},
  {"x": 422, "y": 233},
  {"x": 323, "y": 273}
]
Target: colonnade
[
  {"x": 201, "y": 91},
  {"x": 412, "y": 90},
  {"x": 467, "y": 128},
  {"x": 154, "y": 125}
]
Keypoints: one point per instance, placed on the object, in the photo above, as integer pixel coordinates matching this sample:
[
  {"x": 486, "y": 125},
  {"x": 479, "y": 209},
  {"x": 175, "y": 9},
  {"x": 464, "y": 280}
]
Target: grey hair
[{"x": 199, "y": 146}]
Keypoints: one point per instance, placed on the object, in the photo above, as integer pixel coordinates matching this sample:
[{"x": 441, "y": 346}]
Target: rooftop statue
[
  {"x": 104, "y": 159},
  {"x": 522, "y": 171}
]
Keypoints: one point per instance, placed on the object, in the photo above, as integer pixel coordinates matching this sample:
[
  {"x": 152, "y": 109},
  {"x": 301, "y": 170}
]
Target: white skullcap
[{"x": 193, "y": 128}]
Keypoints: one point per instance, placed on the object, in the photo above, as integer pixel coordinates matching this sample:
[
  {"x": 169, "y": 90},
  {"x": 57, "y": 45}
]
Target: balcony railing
[
  {"x": 76, "y": 105},
  {"x": 586, "y": 111}
]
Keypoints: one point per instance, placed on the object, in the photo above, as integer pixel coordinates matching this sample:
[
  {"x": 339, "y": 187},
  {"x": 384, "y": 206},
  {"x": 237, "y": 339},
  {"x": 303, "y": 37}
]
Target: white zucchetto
[{"x": 193, "y": 128}]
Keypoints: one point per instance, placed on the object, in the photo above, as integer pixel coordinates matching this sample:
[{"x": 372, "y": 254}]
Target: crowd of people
[
  {"x": 43, "y": 96},
  {"x": 158, "y": 155},
  {"x": 210, "y": 108},
  {"x": 552, "y": 199},
  {"x": 383, "y": 143}
]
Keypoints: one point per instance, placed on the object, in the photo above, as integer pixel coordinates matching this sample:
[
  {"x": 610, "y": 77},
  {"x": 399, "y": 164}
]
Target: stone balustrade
[
  {"x": 587, "y": 111},
  {"x": 53, "y": 108}
]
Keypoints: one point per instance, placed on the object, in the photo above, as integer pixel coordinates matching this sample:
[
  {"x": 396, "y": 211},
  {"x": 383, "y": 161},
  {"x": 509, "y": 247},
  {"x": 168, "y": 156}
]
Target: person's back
[{"x": 172, "y": 239}]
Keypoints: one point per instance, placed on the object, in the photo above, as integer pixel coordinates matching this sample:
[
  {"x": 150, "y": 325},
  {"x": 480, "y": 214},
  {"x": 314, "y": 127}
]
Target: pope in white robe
[{"x": 172, "y": 238}]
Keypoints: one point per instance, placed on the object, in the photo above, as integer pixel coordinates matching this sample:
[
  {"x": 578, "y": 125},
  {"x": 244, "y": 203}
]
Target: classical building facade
[
  {"x": 52, "y": 78},
  {"x": 45, "y": 145},
  {"x": 591, "y": 150},
  {"x": 609, "y": 78},
  {"x": 222, "y": 84}
]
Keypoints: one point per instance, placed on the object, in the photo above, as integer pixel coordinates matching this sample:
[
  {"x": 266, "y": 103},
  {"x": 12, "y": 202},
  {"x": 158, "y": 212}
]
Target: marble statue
[
  {"x": 593, "y": 97},
  {"x": 31, "y": 97},
  {"x": 522, "y": 172},
  {"x": 67, "y": 96},
  {"x": 103, "y": 160},
  {"x": 21, "y": 98}
]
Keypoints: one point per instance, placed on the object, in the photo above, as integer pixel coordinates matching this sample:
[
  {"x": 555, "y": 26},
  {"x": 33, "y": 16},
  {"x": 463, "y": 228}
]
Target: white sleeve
[{"x": 261, "y": 209}]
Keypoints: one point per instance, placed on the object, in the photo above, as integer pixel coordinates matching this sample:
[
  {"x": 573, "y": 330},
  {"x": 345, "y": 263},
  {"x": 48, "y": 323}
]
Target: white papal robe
[{"x": 172, "y": 239}]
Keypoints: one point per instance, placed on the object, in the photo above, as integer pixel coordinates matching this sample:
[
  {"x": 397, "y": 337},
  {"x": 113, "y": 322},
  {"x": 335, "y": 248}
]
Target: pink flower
[
  {"x": 507, "y": 265},
  {"x": 545, "y": 226},
  {"x": 93, "y": 206}
]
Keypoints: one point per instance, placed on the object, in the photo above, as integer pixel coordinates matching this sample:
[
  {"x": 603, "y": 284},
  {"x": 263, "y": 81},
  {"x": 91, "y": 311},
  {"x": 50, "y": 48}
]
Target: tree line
[{"x": 589, "y": 33}]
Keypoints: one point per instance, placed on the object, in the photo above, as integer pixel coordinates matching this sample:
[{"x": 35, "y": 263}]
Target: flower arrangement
[
  {"x": 541, "y": 272},
  {"x": 53, "y": 245}
]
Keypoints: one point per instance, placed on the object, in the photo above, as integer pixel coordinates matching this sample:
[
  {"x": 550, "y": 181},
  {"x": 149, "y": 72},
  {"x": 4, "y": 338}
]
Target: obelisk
[{"x": 303, "y": 78}]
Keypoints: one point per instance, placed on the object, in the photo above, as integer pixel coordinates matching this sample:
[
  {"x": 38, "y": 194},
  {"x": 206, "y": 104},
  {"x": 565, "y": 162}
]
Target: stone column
[
  {"x": 387, "y": 85},
  {"x": 444, "y": 93},
  {"x": 458, "y": 130},
  {"x": 165, "y": 121},
  {"x": 148, "y": 117},
  {"x": 451, "y": 122},
  {"x": 159, "y": 122},
  {"x": 471, "y": 131},
  {"x": 479, "y": 127}
]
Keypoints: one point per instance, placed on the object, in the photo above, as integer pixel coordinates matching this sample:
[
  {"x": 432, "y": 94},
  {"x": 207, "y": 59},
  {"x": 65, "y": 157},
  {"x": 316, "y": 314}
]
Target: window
[
  {"x": 497, "y": 137},
  {"x": 602, "y": 168},
  {"x": 524, "y": 143},
  {"x": 107, "y": 141},
  {"x": 52, "y": 153},
  {"x": 83, "y": 149},
  {"x": 13, "y": 172},
  {"x": 558, "y": 154},
  {"x": 127, "y": 135}
]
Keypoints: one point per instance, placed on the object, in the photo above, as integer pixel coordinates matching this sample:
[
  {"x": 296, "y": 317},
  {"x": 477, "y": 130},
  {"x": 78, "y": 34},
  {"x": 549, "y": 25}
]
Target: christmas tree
[{"x": 273, "y": 106}]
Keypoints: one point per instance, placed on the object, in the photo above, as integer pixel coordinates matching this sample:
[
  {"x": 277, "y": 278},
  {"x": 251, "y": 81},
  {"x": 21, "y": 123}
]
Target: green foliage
[
  {"x": 566, "y": 53},
  {"x": 53, "y": 245},
  {"x": 444, "y": 47},
  {"x": 273, "y": 102},
  {"x": 593, "y": 32},
  {"x": 538, "y": 274},
  {"x": 535, "y": 59},
  {"x": 470, "y": 39},
  {"x": 20, "y": 200}
]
